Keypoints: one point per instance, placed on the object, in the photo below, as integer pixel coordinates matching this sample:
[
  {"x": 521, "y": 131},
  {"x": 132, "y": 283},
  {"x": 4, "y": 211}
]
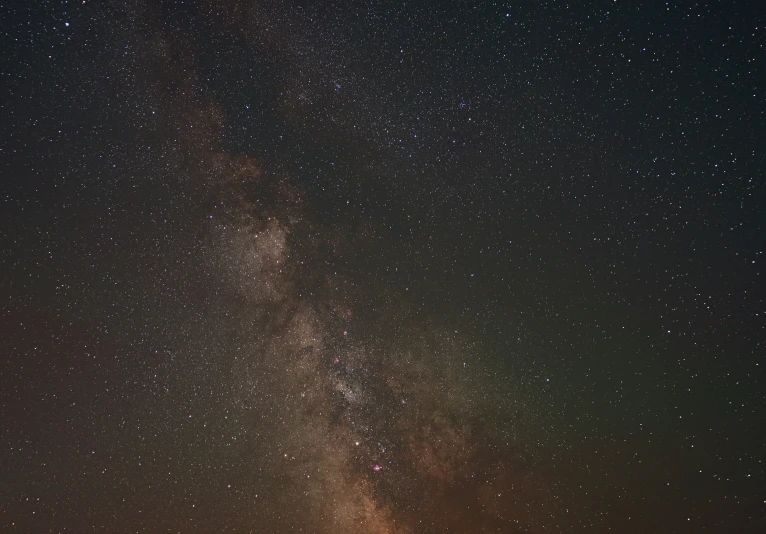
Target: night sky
[{"x": 382, "y": 267}]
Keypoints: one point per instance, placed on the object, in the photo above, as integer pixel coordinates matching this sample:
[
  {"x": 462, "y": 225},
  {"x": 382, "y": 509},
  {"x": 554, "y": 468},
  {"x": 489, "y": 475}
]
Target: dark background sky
[{"x": 382, "y": 267}]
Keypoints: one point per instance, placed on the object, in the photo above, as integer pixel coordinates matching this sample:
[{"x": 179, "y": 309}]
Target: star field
[{"x": 374, "y": 267}]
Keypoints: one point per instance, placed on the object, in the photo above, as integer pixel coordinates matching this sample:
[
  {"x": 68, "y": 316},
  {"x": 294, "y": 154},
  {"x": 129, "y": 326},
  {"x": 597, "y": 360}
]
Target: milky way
[
  {"x": 367, "y": 435},
  {"x": 371, "y": 268}
]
